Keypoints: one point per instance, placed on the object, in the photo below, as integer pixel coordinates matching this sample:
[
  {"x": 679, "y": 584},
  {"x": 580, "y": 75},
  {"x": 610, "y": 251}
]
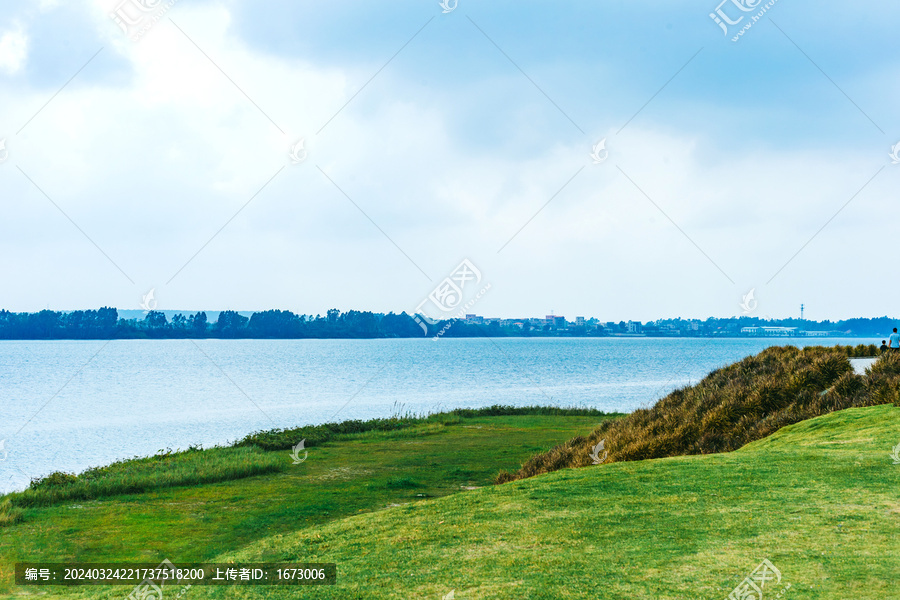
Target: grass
[
  {"x": 134, "y": 476},
  {"x": 253, "y": 455},
  {"x": 818, "y": 499},
  {"x": 352, "y": 475},
  {"x": 733, "y": 406},
  {"x": 315, "y": 435}
]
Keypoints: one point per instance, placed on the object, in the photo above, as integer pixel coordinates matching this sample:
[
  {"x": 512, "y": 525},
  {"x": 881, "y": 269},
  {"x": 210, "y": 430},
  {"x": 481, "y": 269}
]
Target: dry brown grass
[{"x": 734, "y": 406}]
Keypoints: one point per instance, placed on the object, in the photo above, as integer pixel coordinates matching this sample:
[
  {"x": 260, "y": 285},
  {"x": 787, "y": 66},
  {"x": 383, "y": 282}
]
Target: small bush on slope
[{"x": 733, "y": 406}]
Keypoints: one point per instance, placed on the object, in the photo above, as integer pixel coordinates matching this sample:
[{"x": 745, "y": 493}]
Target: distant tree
[
  {"x": 179, "y": 322},
  {"x": 156, "y": 320},
  {"x": 107, "y": 322},
  {"x": 198, "y": 323},
  {"x": 358, "y": 325},
  {"x": 275, "y": 324},
  {"x": 401, "y": 325},
  {"x": 231, "y": 324},
  {"x": 44, "y": 325}
]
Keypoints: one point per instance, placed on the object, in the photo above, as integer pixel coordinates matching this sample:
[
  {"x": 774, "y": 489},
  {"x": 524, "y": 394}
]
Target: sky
[{"x": 611, "y": 159}]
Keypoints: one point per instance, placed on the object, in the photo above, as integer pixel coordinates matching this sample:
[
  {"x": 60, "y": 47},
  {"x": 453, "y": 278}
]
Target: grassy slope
[
  {"x": 363, "y": 472},
  {"x": 734, "y": 406},
  {"x": 819, "y": 499},
  {"x": 165, "y": 470}
]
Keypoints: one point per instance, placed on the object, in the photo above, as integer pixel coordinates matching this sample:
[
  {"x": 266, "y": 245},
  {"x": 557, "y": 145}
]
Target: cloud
[
  {"x": 13, "y": 50},
  {"x": 172, "y": 160}
]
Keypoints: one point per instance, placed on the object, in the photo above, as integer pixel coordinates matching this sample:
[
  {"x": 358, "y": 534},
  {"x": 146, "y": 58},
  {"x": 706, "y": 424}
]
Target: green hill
[
  {"x": 783, "y": 457},
  {"x": 733, "y": 406},
  {"x": 819, "y": 499},
  {"x": 188, "y": 507}
]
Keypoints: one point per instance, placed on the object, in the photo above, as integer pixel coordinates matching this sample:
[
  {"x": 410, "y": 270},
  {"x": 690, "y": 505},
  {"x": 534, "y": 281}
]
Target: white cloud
[
  {"x": 151, "y": 167},
  {"x": 13, "y": 50}
]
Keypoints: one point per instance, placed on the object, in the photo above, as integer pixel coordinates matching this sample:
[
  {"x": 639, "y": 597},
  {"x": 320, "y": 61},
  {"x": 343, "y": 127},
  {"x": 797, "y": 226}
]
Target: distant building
[
  {"x": 815, "y": 333},
  {"x": 579, "y": 321},
  {"x": 474, "y": 319},
  {"x": 669, "y": 329},
  {"x": 780, "y": 330},
  {"x": 770, "y": 331},
  {"x": 634, "y": 327}
]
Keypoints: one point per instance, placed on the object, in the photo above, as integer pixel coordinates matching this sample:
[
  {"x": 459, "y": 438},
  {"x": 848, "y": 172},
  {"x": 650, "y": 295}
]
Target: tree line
[
  {"x": 106, "y": 324},
  {"x": 270, "y": 324},
  {"x": 282, "y": 324}
]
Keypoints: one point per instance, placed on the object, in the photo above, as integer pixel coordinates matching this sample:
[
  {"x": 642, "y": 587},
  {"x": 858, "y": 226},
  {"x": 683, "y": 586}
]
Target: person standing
[
  {"x": 894, "y": 340},
  {"x": 884, "y": 347}
]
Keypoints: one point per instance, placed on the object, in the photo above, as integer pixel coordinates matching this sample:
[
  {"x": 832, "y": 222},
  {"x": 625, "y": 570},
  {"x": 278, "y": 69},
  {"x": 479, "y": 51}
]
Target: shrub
[
  {"x": 8, "y": 513},
  {"x": 733, "y": 406},
  {"x": 56, "y": 479},
  {"x": 170, "y": 469}
]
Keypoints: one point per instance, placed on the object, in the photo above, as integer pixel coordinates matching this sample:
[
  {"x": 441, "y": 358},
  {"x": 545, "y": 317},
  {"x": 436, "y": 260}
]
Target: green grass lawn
[
  {"x": 353, "y": 475},
  {"x": 819, "y": 499}
]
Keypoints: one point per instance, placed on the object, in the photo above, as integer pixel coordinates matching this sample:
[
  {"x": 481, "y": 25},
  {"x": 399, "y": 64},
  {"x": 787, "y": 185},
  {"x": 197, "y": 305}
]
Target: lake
[{"x": 70, "y": 405}]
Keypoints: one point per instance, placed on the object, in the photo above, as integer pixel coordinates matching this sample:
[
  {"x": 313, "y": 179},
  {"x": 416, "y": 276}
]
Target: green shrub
[
  {"x": 165, "y": 470},
  {"x": 56, "y": 479},
  {"x": 8, "y": 513},
  {"x": 735, "y": 405}
]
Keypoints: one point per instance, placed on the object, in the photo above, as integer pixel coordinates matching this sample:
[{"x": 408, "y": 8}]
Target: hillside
[
  {"x": 193, "y": 515},
  {"x": 818, "y": 499},
  {"x": 733, "y": 406},
  {"x": 771, "y": 465}
]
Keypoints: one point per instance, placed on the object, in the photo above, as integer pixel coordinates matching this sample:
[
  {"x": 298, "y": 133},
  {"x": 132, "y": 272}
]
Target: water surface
[{"x": 69, "y": 405}]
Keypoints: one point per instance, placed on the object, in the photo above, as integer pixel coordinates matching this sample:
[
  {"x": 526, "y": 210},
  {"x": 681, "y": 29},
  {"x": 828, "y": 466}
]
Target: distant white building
[
  {"x": 555, "y": 321},
  {"x": 780, "y": 330},
  {"x": 770, "y": 331}
]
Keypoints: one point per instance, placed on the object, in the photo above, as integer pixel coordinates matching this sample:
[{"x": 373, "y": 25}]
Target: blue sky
[{"x": 759, "y": 164}]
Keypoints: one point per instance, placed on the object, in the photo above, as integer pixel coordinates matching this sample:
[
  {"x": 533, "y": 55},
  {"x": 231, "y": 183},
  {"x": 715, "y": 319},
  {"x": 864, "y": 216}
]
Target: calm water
[{"x": 68, "y": 405}]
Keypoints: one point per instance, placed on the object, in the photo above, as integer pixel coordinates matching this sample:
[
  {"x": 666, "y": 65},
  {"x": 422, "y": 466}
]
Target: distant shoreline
[
  {"x": 108, "y": 324},
  {"x": 431, "y": 338}
]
